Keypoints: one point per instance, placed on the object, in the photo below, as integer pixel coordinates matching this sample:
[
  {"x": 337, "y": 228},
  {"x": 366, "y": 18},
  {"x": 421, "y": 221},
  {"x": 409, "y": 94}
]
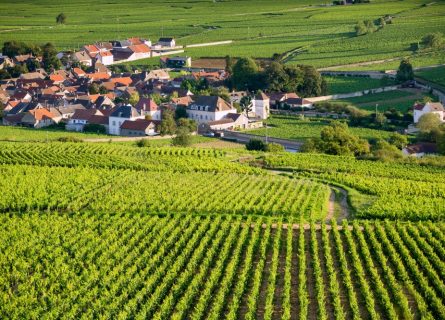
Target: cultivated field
[
  {"x": 342, "y": 84},
  {"x": 291, "y": 127},
  {"x": 138, "y": 266},
  {"x": 324, "y": 33}
]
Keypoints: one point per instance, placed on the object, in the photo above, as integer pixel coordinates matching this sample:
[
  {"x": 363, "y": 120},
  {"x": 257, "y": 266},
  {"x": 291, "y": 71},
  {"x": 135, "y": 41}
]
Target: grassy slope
[
  {"x": 273, "y": 26},
  {"x": 289, "y": 127},
  {"x": 27, "y": 134},
  {"x": 352, "y": 84},
  {"x": 398, "y": 99},
  {"x": 436, "y": 75}
]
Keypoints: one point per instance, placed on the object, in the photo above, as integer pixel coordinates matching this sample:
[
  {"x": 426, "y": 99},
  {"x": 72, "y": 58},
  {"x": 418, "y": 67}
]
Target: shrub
[
  {"x": 69, "y": 139},
  {"x": 256, "y": 145},
  {"x": 94, "y": 128},
  {"x": 274, "y": 147},
  {"x": 143, "y": 143}
]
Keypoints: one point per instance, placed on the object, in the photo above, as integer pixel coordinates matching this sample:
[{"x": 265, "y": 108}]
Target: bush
[
  {"x": 256, "y": 145},
  {"x": 143, "y": 143},
  {"x": 94, "y": 128},
  {"x": 274, "y": 147},
  {"x": 69, "y": 139},
  {"x": 183, "y": 137}
]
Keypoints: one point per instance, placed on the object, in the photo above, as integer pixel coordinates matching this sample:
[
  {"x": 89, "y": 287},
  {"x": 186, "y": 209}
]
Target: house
[
  {"x": 140, "y": 51},
  {"x": 277, "y": 97},
  {"x": 418, "y": 150},
  {"x": 82, "y": 57},
  {"x": 167, "y": 42},
  {"x": 5, "y": 62},
  {"x": 80, "y": 118},
  {"x": 91, "y": 49},
  {"x": 232, "y": 121},
  {"x": 182, "y": 101},
  {"x": 79, "y": 73},
  {"x": 297, "y": 103},
  {"x": 261, "y": 106},
  {"x": 209, "y": 108},
  {"x": 430, "y": 107},
  {"x": 148, "y": 107},
  {"x": 38, "y": 118},
  {"x": 105, "y": 57},
  {"x": 157, "y": 74},
  {"x": 121, "y": 114},
  {"x": 24, "y": 107},
  {"x": 139, "y": 127}
]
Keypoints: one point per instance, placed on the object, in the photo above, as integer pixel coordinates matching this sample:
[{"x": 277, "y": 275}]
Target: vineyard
[
  {"x": 377, "y": 189},
  {"x": 137, "y": 266}
]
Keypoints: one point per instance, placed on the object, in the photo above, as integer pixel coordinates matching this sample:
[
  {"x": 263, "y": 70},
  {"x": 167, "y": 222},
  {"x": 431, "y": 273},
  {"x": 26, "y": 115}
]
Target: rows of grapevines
[
  {"x": 138, "y": 266},
  {"x": 394, "y": 191},
  {"x": 30, "y": 188},
  {"x": 119, "y": 157}
]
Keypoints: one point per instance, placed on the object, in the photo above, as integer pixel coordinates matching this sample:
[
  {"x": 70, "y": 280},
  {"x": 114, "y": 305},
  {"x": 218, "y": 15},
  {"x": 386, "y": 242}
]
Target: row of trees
[{"x": 248, "y": 75}]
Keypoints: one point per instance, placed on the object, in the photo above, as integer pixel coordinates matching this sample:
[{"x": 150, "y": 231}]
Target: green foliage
[
  {"x": 69, "y": 139},
  {"x": 190, "y": 124},
  {"x": 274, "y": 147},
  {"x": 94, "y": 128},
  {"x": 246, "y": 75},
  {"x": 134, "y": 98},
  {"x": 429, "y": 122},
  {"x": 183, "y": 137},
  {"x": 405, "y": 71},
  {"x": 143, "y": 143},
  {"x": 256, "y": 145},
  {"x": 168, "y": 125},
  {"x": 49, "y": 59},
  {"x": 61, "y": 18},
  {"x": 433, "y": 41},
  {"x": 398, "y": 140}
]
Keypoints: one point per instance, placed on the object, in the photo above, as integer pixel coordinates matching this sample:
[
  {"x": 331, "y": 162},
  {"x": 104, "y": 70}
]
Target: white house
[
  {"x": 261, "y": 106},
  {"x": 429, "y": 107},
  {"x": 209, "y": 108},
  {"x": 80, "y": 118},
  {"x": 167, "y": 42},
  {"x": 121, "y": 114},
  {"x": 105, "y": 57}
]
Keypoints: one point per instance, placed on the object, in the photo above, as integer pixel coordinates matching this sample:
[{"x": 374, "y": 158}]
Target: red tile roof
[
  {"x": 41, "y": 114},
  {"x": 140, "y": 48},
  {"x": 139, "y": 125},
  {"x": 146, "y": 104}
]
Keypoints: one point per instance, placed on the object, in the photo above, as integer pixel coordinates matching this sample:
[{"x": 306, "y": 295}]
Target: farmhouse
[
  {"x": 83, "y": 58},
  {"x": 430, "y": 107},
  {"x": 140, "y": 127},
  {"x": 105, "y": 57},
  {"x": 209, "y": 108},
  {"x": 261, "y": 106},
  {"x": 167, "y": 42},
  {"x": 147, "y": 107},
  {"x": 38, "y": 118}
]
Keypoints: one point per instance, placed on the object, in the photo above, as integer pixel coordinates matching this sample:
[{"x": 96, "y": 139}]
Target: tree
[
  {"x": 381, "y": 22},
  {"x": 370, "y": 27},
  {"x": 256, "y": 145},
  {"x": 429, "y": 122},
  {"x": 245, "y": 74},
  {"x": 61, "y": 18},
  {"x": 94, "y": 128},
  {"x": 49, "y": 58},
  {"x": 189, "y": 123},
  {"x": 441, "y": 143},
  {"x": 433, "y": 41},
  {"x": 180, "y": 112},
  {"x": 229, "y": 64},
  {"x": 134, "y": 98},
  {"x": 183, "y": 137},
  {"x": 385, "y": 151},
  {"x": 312, "y": 84},
  {"x": 336, "y": 139},
  {"x": 360, "y": 28},
  {"x": 294, "y": 78},
  {"x": 94, "y": 88},
  {"x": 246, "y": 104},
  {"x": 380, "y": 119},
  {"x": 17, "y": 70},
  {"x": 274, "y": 147},
  {"x": 405, "y": 71},
  {"x": 143, "y": 143},
  {"x": 276, "y": 76},
  {"x": 168, "y": 125},
  {"x": 398, "y": 140},
  {"x": 156, "y": 97},
  {"x": 32, "y": 64}
]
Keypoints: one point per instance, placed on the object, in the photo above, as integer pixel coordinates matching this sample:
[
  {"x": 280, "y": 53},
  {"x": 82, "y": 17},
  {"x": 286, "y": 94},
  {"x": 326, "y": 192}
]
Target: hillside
[{"x": 324, "y": 33}]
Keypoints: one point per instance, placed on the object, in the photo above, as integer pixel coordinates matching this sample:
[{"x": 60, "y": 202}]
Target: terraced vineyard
[
  {"x": 137, "y": 266},
  {"x": 376, "y": 189}
]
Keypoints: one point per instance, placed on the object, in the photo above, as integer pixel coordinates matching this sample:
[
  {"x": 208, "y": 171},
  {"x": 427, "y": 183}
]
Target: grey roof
[
  {"x": 24, "y": 107},
  {"x": 166, "y": 39},
  {"x": 71, "y": 108},
  {"x": 125, "y": 112},
  {"x": 209, "y": 103}
]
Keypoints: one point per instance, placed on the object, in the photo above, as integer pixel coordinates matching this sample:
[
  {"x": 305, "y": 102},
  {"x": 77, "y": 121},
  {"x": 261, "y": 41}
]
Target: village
[{"x": 86, "y": 95}]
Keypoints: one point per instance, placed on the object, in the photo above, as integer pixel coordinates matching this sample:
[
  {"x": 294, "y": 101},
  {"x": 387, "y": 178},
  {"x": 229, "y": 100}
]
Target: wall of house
[
  {"x": 207, "y": 116},
  {"x": 133, "y": 133},
  {"x": 261, "y": 108}
]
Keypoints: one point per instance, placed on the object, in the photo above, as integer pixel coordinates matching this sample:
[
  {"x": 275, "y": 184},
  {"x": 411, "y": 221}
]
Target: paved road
[{"x": 290, "y": 145}]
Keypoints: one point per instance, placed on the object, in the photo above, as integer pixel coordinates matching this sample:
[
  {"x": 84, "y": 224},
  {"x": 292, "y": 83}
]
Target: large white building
[
  {"x": 209, "y": 108},
  {"x": 429, "y": 107},
  {"x": 121, "y": 114}
]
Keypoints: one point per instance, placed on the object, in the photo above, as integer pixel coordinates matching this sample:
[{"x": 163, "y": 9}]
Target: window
[{"x": 113, "y": 123}]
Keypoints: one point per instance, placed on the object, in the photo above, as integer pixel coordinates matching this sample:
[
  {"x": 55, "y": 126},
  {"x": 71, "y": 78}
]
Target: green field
[
  {"x": 115, "y": 231},
  {"x": 341, "y": 84},
  {"x": 8, "y": 133},
  {"x": 401, "y": 100},
  {"x": 326, "y": 33},
  {"x": 290, "y": 127},
  {"x": 436, "y": 75}
]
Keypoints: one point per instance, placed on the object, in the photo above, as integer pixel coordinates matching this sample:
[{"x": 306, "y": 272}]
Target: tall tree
[
  {"x": 49, "y": 58},
  {"x": 246, "y": 104},
  {"x": 168, "y": 125},
  {"x": 276, "y": 76},
  {"x": 245, "y": 74},
  {"x": 405, "y": 71},
  {"x": 61, "y": 18}
]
